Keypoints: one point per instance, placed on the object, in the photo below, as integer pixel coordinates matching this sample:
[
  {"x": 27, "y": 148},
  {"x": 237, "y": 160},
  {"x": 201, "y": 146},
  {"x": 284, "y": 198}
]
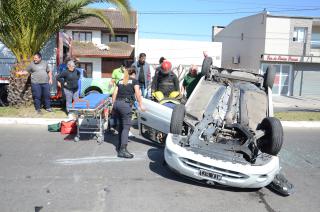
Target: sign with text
[{"x": 281, "y": 58}]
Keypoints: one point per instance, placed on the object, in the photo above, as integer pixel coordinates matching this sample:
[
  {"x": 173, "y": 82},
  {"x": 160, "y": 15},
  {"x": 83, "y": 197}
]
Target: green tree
[{"x": 26, "y": 26}]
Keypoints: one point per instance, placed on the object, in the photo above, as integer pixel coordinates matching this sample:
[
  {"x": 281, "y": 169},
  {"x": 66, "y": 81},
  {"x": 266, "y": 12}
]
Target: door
[
  {"x": 154, "y": 123},
  {"x": 282, "y": 82}
]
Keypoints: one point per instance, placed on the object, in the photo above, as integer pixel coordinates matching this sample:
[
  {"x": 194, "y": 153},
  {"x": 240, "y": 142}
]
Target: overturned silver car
[{"x": 225, "y": 133}]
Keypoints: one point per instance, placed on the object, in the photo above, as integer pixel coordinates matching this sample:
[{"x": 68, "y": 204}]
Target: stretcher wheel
[
  {"x": 76, "y": 139},
  {"x": 100, "y": 139}
]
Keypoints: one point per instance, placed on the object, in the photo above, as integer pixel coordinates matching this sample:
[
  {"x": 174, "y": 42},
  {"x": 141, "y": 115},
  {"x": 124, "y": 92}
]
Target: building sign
[{"x": 281, "y": 58}]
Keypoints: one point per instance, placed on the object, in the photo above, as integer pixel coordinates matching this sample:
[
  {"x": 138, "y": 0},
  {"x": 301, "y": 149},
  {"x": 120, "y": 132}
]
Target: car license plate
[{"x": 209, "y": 174}]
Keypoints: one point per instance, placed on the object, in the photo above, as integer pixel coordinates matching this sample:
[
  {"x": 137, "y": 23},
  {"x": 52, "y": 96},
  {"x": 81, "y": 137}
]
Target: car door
[{"x": 154, "y": 123}]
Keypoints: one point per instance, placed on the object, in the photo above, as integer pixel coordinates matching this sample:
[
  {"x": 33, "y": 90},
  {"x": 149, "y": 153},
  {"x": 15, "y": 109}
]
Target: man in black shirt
[{"x": 69, "y": 80}]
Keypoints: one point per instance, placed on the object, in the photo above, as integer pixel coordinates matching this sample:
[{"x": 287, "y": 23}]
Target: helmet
[{"x": 166, "y": 66}]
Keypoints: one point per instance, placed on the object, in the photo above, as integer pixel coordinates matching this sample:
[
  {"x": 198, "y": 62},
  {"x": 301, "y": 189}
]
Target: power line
[
  {"x": 254, "y": 3},
  {"x": 223, "y": 36},
  {"x": 219, "y": 13},
  {"x": 178, "y": 34}
]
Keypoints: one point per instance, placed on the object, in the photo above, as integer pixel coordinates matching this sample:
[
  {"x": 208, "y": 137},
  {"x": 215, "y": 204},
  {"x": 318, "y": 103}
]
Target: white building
[
  {"x": 290, "y": 44},
  {"x": 179, "y": 52},
  {"x": 99, "y": 51}
]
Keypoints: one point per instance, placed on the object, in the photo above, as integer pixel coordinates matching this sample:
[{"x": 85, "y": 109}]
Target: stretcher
[{"x": 91, "y": 115}]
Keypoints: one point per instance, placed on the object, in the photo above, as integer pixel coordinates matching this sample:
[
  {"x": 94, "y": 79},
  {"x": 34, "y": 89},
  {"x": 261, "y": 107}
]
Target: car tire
[
  {"x": 92, "y": 92},
  {"x": 177, "y": 118},
  {"x": 269, "y": 77},
  {"x": 271, "y": 142}
]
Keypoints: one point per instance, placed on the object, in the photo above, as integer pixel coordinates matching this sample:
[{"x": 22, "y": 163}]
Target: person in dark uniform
[
  {"x": 123, "y": 97},
  {"x": 165, "y": 80}
]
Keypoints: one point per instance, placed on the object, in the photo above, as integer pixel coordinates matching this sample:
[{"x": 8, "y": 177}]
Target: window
[
  {"x": 104, "y": 38},
  {"x": 299, "y": 34},
  {"x": 88, "y": 69},
  {"x": 315, "y": 40},
  {"x": 82, "y": 36},
  {"x": 118, "y": 38},
  {"x": 282, "y": 85}
]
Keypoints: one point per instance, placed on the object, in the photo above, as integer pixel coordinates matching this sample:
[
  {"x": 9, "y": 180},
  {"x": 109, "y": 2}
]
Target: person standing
[
  {"x": 41, "y": 78},
  {"x": 165, "y": 80},
  {"x": 191, "y": 80},
  {"x": 206, "y": 64},
  {"x": 117, "y": 75},
  {"x": 69, "y": 80},
  {"x": 124, "y": 95},
  {"x": 143, "y": 74}
]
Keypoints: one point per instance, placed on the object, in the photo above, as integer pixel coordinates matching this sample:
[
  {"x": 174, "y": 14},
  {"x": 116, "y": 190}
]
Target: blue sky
[{"x": 193, "y": 19}]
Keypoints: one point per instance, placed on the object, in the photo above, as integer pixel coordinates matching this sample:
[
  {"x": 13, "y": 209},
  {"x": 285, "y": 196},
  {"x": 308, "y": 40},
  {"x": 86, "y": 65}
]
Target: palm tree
[{"x": 26, "y": 25}]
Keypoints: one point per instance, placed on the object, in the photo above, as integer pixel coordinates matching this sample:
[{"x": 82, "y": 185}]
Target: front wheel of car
[
  {"x": 271, "y": 142},
  {"x": 177, "y": 118}
]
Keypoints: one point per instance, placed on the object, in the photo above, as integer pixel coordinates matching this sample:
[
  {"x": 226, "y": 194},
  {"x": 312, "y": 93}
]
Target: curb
[
  {"x": 31, "y": 121},
  {"x": 297, "y": 124},
  {"x": 47, "y": 121}
]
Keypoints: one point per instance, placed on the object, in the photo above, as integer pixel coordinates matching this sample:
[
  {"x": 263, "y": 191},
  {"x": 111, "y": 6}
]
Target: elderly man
[
  {"x": 69, "y": 79},
  {"x": 191, "y": 80}
]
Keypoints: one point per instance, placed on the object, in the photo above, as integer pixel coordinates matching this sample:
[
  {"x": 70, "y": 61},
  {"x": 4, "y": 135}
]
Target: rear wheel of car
[
  {"x": 269, "y": 77},
  {"x": 271, "y": 142},
  {"x": 92, "y": 90},
  {"x": 177, "y": 118}
]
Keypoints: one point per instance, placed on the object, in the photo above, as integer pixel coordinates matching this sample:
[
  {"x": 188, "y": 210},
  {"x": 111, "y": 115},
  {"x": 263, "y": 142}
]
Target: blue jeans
[
  {"x": 144, "y": 90},
  {"x": 41, "y": 91},
  {"x": 70, "y": 95}
]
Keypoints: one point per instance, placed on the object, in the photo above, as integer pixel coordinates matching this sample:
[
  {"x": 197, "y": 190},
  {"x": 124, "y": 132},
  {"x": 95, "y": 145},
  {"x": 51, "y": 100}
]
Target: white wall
[
  {"x": 249, "y": 49},
  {"x": 96, "y": 65},
  {"x": 277, "y": 35},
  {"x": 178, "y": 52}
]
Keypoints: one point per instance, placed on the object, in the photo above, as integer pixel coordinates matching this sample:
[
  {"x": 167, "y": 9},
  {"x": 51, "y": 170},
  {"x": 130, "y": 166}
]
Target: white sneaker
[{"x": 130, "y": 134}]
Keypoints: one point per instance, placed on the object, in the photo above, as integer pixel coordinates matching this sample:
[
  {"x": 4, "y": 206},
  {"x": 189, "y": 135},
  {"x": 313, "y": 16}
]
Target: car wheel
[
  {"x": 92, "y": 92},
  {"x": 269, "y": 77},
  {"x": 271, "y": 142},
  {"x": 177, "y": 118}
]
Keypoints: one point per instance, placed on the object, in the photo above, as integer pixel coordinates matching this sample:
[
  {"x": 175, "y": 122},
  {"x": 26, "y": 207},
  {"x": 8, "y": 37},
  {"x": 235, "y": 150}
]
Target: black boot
[{"x": 123, "y": 152}]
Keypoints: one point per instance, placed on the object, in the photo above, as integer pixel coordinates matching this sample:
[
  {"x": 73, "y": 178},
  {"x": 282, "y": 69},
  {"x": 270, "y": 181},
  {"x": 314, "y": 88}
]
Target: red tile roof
[
  {"x": 113, "y": 50},
  {"x": 118, "y": 22}
]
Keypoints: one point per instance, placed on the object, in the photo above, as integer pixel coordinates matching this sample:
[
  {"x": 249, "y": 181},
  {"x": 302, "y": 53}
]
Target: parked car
[{"x": 225, "y": 133}]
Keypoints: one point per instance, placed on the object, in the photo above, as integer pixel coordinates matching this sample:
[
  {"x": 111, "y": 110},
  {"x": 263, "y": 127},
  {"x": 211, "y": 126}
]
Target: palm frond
[{"x": 26, "y": 25}]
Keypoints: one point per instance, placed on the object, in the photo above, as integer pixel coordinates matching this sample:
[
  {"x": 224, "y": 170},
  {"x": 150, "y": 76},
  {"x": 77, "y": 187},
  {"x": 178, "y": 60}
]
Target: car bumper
[{"x": 190, "y": 164}]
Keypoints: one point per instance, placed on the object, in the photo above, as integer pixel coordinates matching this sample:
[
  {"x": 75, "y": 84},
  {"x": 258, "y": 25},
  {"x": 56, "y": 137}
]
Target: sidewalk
[
  {"x": 280, "y": 103},
  {"x": 47, "y": 121},
  {"x": 296, "y": 103}
]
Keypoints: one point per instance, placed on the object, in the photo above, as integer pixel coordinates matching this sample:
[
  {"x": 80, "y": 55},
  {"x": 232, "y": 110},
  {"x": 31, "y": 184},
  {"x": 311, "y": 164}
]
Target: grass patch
[
  {"x": 29, "y": 112},
  {"x": 298, "y": 116}
]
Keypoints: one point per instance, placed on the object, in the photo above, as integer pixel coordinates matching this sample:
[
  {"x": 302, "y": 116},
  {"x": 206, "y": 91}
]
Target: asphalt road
[{"x": 40, "y": 171}]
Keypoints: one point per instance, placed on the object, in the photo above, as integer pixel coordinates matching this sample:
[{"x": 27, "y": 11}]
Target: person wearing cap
[
  {"x": 69, "y": 80},
  {"x": 165, "y": 80}
]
